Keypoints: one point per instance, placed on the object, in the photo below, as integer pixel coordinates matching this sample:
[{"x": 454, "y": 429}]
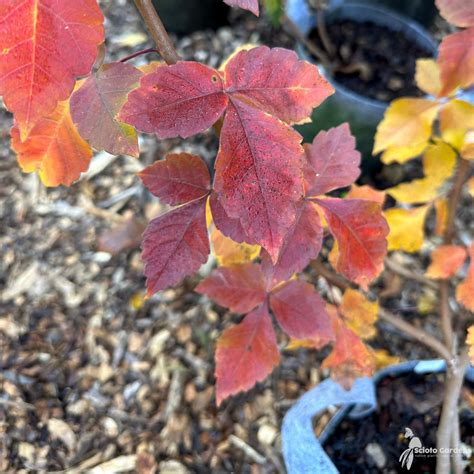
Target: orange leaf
[
  {"x": 465, "y": 290},
  {"x": 54, "y": 148},
  {"x": 366, "y": 192},
  {"x": 441, "y": 208},
  {"x": 350, "y": 357},
  {"x": 470, "y": 343},
  {"x": 359, "y": 313},
  {"x": 446, "y": 260},
  {"x": 246, "y": 354},
  {"x": 456, "y": 61},
  {"x": 360, "y": 231},
  {"x": 44, "y": 46}
]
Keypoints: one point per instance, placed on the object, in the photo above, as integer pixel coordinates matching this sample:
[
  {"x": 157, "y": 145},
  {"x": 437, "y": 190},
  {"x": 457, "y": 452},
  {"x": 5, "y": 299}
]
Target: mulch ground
[{"x": 93, "y": 376}]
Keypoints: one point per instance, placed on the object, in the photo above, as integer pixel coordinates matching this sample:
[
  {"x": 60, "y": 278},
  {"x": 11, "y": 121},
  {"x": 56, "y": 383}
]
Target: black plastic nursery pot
[
  {"x": 362, "y": 112},
  {"x": 186, "y": 16},
  {"x": 408, "y": 406}
]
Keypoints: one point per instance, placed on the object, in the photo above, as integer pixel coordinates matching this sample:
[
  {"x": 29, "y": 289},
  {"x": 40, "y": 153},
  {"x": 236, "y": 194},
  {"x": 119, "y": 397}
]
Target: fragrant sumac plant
[{"x": 264, "y": 211}]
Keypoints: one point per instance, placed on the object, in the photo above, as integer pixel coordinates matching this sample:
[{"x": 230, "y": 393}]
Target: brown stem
[
  {"x": 294, "y": 31},
  {"x": 456, "y": 443},
  {"x": 322, "y": 31},
  {"x": 406, "y": 328},
  {"x": 453, "y": 201},
  {"x": 445, "y": 312},
  {"x": 404, "y": 272},
  {"x": 416, "y": 333},
  {"x": 454, "y": 381},
  {"x": 157, "y": 31}
]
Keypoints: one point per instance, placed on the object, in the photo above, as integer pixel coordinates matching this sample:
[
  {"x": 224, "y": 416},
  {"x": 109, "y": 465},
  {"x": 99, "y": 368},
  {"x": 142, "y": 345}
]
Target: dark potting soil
[
  {"x": 373, "y": 60},
  {"x": 411, "y": 401}
]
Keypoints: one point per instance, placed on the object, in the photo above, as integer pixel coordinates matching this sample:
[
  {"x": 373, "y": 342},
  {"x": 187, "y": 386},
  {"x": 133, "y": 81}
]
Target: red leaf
[
  {"x": 44, "y": 46},
  {"x": 97, "y": 102},
  {"x": 350, "y": 357},
  {"x": 246, "y": 354},
  {"x": 177, "y": 179},
  {"x": 457, "y": 12},
  {"x": 175, "y": 245},
  {"x": 301, "y": 312},
  {"x": 54, "y": 148},
  {"x": 178, "y": 100},
  {"x": 301, "y": 244},
  {"x": 333, "y": 161},
  {"x": 250, "y": 5},
  {"x": 258, "y": 174},
  {"x": 229, "y": 226},
  {"x": 360, "y": 231},
  {"x": 237, "y": 287},
  {"x": 276, "y": 82},
  {"x": 456, "y": 60}
]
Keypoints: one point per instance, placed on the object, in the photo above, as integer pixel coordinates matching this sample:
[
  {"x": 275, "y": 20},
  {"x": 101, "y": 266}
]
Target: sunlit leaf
[
  {"x": 470, "y": 343},
  {"x": 406, "y": 228},
  {"x": 54, "y": 148},
  {"x": 427, "y": 76},
  {"x": 439, "y": 161},
  {"x": 360, "y": 231},
  {"x": 456, "y": 119},
  {"x": 229, "y": 252},
  {"x": 446, "y": 260},
  {"x": 44, "y": 46},
  {"x": 359, "y": 313},
  {"x": 465, "y": 290}
]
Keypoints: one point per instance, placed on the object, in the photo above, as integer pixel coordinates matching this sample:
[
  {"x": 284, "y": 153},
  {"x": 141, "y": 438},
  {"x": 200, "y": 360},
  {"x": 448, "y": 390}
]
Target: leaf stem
[
  {"x": 157, "y": 31},
  {"x": 139, "y": 53}
]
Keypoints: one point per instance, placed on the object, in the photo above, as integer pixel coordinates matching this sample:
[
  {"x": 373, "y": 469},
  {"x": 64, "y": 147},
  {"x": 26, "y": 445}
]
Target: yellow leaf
[
  {"x": 427, "y": 76},
  {"x": 439, "y": 162},
  {"x": 465, "y": 290},
  {"x": 470, "y": 343},
  {"x": 228, "y": 252},
  {"x": 359, "y": 313},
  {"x": 384, "y": 359},
  {"x": 403, "y": 154},
  {"x": 467, "y": 150},
  {"x": 470, "y": 187},
  {"x": 405, "y": 128},
  {"x": 455, "y": 120},
  {"x": 406, "y": 228}
]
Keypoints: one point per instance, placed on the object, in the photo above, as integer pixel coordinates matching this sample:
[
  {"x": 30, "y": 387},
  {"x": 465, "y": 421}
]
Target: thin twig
[
  {"x": 454, "y": 381},
  {"x": 139, "y": 53},
  {"x": 247, "y": 449},
  {"x": 157, "y": 31},
  {"x": 317, "y": 52},
  {"x": 445, "y": 313},
  {"x": 322, "y": 31},
  {"x": 404, "y": 272},
  {"x": 416, "y": 333}
]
